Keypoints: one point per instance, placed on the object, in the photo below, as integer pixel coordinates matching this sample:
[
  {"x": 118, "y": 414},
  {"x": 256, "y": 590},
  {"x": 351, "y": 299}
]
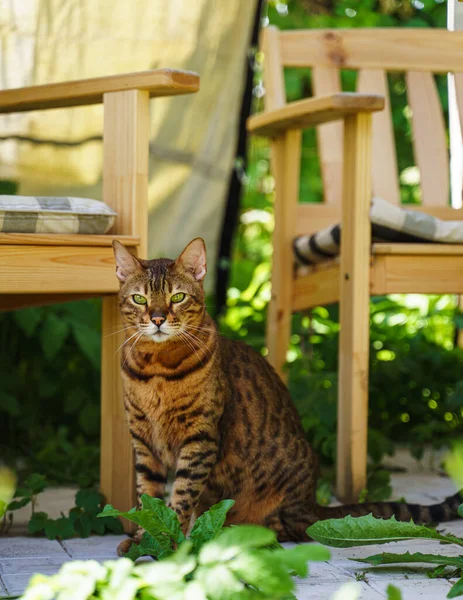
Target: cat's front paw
[{"x": 125, "y": 545}]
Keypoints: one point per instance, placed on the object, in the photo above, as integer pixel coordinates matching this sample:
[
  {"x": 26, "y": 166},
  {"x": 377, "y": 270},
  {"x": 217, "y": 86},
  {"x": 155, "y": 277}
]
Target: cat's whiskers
[
  {"x": 120, "y": 330},
  {"x": 189, "y": 344},
  {"x": 196, "y": 339},
  {"x": 126, "y": 342},
  {"x": 132, "y": 347}
]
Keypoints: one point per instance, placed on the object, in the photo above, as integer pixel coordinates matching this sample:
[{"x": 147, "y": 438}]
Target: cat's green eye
[
  {"x": 138, "y": 299},
  {"x": 177, "y": 297}
]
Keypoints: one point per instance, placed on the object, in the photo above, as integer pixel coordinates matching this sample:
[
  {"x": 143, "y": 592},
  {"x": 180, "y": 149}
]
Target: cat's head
[{"x": 162, "y": 298}]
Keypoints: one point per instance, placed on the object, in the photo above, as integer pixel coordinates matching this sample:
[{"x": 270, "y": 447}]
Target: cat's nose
[{"x": 157, "y": 319}]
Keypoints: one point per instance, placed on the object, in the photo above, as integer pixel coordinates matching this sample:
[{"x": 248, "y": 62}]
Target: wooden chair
[
  {"x": 39, "y": 269},
  {"x": 358, "y": 158}
]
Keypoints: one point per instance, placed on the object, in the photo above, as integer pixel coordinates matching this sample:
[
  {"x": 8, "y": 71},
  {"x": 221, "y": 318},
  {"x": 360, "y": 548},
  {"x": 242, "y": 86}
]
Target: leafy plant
[
  {"x": 362, "y": 531},
  {"x": 162, "y": 527},
  {"x": 235, "y": 564},
  {"x": 7, "y": 487},
  {"x": 81, "y": 521}
]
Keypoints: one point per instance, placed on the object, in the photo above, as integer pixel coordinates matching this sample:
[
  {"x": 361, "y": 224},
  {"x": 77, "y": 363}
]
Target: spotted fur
[{"x": 214, "y": 412}]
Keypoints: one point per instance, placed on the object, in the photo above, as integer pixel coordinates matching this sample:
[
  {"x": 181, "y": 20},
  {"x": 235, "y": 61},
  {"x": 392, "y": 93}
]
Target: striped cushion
[
  {"x": 389, "y": 223},
  {"x": 38, "y": 214}
]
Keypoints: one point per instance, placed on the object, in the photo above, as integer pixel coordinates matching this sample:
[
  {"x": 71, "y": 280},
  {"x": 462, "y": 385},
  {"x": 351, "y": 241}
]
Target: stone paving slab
[
  {"x": 47, "y": 566},
  {"x": 93, "y": 547},
  {"x": 28, "y": 547},
  {"x": 2, "y": 588}
]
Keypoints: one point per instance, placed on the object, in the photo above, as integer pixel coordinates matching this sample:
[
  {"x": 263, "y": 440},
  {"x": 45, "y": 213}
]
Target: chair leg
[
  {"x": 117, "y": 475},
  {"x": 354, "y": 310},
  {"x": 286, "y": 158}
]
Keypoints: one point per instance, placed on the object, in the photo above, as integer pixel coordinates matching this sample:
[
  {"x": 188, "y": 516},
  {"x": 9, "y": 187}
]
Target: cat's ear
[
  {"x": 193, "y": 259},
  {"x": 126, "y": 263}
]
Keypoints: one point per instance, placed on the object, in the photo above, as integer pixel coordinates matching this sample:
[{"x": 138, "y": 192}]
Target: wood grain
[
  {"x": 312, "y": 111},
  {"x": 385, "y": 172},
  {"x": 286, "y": 167},
  {"x": 57, "y": 270},
  {"x": 59, "y": 239},
  {"x": 317, "y": 288},
  {"x": 429, "y": 138},
  {"x": 392, "y": 49},
  {"x": 274, "y": 83},
  {"x": 326, "y": 81},
  {"x": 159, "y": 82},
  {"x": 354, "y": 310}
]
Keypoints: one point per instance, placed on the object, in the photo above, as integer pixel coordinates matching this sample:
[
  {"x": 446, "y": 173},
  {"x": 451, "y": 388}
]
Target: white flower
[
  {"x": 348, "y": 591},
  {"x": 122, "y": 585},
  {"x": 40, "y": 587}
]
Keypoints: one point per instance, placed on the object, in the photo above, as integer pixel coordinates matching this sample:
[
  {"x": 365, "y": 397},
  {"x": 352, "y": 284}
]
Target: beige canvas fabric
[{"x": 193, "y": 137}]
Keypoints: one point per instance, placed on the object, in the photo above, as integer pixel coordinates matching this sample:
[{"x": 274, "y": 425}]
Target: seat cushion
[
  {"x": 39, "y": 214},
  {"x": 389, "y": 223}
]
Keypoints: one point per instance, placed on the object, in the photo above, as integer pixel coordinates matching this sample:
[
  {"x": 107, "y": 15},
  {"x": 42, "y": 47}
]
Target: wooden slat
[
  {"x": 125, "y": 188},
  {"x": 404, "y": 49},
  {"x": 410, "y": 274},
  {"x": 326, "y": 81},
  {"x": 352, "y": 429},
  {"x": 311, "y": 218},
  {"x": 274, "y": 83},
  {"x": 17, "y": 301},
  {"x": 57, "y": 270},
  {"x": 419, "y": 249},
  {"x": 312, "y": 111},
  {"x": 385, "y": 172},
  {"x": 159, "y": 82},
  {"x": 429, "y": 138},
  {"x": 58, "y": 239},
  {"x": 317, "y": 288},
  {"x": 286, "y": 153},
  {"x": 459, "y": 95}
]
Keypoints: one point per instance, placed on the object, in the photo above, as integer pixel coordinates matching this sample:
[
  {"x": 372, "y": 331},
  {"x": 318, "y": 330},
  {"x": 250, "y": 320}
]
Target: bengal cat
[{"x": 215, "y": 412}]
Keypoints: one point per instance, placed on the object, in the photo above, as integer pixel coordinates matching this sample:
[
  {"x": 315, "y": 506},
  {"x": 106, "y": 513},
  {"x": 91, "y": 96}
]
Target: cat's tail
[{"x": 434, "y": 513}]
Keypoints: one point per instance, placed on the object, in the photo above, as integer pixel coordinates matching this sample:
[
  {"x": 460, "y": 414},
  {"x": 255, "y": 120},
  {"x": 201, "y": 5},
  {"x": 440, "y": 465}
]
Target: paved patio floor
[{"x": 22, "y": 556}]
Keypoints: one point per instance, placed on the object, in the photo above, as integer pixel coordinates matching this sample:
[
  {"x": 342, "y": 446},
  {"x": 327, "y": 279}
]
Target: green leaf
[
  {"x": 89, "y": 341},
  {"x": 3, "y": 508},
  {"x": 209, "y": 524},
  {"x": 37, "y": 522},
  {"x": 28, "y": 319},
  {"x": 157, "y": 547},
  {"x": 9, "y": 404},
  {"x": 393, "y": 592},
  {"x": 59, "y": 528},
  {"x": 362, "y": 531},
  {"x": 460, "y": 511},
  {"x": 53, "y": 335},
  {"x": 296, "y": 559},
  {"x": 83, "y": 525},
  {"x": 89, "y": 499},
  {"x": 233, "y": 540},
  {"x": 263, "y": 570},
  {"x": 36, "y": 483},
  {"x": 456, "y": 589},
  {"x": 219, "y": 582},
  {"x": 417, "y": 557},
  {"x": 155, "y": 518},
  {"x": 16, "y": 504},
  {"x": 113, "y": 525}
]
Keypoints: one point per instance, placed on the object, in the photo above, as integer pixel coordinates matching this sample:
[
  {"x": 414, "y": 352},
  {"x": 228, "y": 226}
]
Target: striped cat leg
[
  {"x": 151, "y": 472},
  {"x": 195, "y": 462}
]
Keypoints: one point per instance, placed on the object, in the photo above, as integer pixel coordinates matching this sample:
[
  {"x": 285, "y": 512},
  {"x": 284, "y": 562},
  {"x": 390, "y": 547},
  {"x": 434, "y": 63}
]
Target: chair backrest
[{"x": 419, "y": 53}]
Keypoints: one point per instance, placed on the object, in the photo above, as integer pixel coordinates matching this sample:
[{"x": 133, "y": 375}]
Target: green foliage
[
  {"x": 49, "y": 402},
  {"x": 363, "y": 531},
  {"x": 162, "y": 527},
  {"x": 82, "y": 519},
  {"x": 367, "y": 530},
  {"x": 234, "y": 565},
  {"x": 393, "y": 592}
]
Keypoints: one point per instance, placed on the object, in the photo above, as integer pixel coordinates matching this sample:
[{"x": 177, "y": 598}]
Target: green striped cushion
[{"x": 40, "y": 214}]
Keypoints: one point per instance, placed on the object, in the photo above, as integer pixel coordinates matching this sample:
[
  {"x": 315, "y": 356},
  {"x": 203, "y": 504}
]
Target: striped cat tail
[{"x": 434, "y": 513}]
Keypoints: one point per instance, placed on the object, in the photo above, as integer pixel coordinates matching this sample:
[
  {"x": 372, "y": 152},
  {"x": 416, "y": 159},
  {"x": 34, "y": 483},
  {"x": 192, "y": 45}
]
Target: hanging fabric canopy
[{"x": 193, "y": 138}]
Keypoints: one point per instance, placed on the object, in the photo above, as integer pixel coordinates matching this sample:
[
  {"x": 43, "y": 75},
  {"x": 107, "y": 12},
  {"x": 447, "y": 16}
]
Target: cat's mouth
[{"x": 156, "y": 334}]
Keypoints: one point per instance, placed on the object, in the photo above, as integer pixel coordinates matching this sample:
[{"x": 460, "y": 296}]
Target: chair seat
[
  {"x": 395, "y": 268},
  {"x": 389, "y": 223}
]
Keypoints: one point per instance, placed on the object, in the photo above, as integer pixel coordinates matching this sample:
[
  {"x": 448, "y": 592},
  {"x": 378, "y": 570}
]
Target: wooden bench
[
  {"x": 358, "y": 159},
  {"x": 43, "y": 269}
]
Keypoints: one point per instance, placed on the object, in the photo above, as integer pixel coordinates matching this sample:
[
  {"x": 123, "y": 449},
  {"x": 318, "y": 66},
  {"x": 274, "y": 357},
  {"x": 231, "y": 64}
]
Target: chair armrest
[
  {"x": 312, "y": 111},
  {"x": 159, "y": 82}
]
